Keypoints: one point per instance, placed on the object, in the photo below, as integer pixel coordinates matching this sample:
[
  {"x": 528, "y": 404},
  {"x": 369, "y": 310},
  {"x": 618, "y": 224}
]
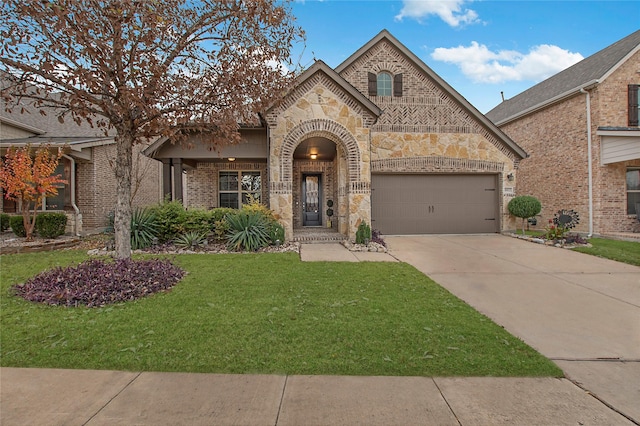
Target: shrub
[
  {"x": 51, "y": 225},
  {"x": 220, "y": 229},
  {"x": 276, "y": 232},
  {"x": 195, "y": 220},
  {"x": 97, "y": 283},
  {"x": 254, "y": 206},
  {"x": 218, "y": 214},
  {"x": 247, "y": 231},
  {"x": 169, "y": 216},
  {"x": 524, "y": 207},
  {"x": 17, "y": 226},
  {"x": 4, "y": 222},
  {"x": 363, "y": 233},
  {"x": 144, "y": 228},
  {"x": 191, "y": 239}
]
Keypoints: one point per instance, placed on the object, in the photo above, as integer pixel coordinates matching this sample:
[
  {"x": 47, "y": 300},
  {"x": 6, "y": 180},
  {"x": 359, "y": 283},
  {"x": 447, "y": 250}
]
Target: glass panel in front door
[{"x": 311, "y": 204}]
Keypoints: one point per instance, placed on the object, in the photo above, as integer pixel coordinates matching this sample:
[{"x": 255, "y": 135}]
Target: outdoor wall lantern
[
  {"x": 314, "y": 156},
  {"x": 510, "y": 177}
]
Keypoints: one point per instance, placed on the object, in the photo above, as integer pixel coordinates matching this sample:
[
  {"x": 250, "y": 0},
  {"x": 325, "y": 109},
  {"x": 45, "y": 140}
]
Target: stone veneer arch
[{"x": 320, "y": 127}]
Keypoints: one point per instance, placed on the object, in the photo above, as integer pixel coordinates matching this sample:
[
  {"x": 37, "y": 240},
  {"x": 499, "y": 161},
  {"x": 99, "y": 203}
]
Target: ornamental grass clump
[{"x": 96, "y": 283}]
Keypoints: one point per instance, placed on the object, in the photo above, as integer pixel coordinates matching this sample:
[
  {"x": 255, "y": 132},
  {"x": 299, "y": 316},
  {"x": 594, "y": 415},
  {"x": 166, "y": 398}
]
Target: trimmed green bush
[
  {"x": 4, "y": 222},
  {"x": 17, "y": 226},
  {"x": 169, "y": 216},
  {"x": 196, "y": 220},
  {"x": 524, "y": 207},
  {"x": 51, "y": 225}
]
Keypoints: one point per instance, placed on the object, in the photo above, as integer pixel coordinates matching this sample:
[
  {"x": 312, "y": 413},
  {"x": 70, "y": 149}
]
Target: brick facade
[
  {"x": 556, "y": 140},
  {"x": 96, "y": 185}
]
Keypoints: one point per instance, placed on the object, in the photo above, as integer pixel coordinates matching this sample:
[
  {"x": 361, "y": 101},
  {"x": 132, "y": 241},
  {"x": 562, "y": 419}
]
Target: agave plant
[
  {"x": 144, "y": 228},
  {"x": 247, "y": 231},
  {"x": 191, "y": 239}
]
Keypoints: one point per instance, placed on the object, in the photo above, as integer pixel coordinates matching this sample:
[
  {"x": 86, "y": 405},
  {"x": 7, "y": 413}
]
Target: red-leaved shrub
[{"x": 97, "y": 283}]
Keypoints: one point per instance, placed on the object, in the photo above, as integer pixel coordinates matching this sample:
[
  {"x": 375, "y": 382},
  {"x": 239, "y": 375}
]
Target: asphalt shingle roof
[{"x": 589, "y": 70}]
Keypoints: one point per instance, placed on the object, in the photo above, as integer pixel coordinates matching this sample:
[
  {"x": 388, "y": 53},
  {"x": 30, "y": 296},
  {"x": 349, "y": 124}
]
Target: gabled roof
[
  {"x": 320, "y": 66},
  {"x": 586, "y": 73},
  {"x": 443, "y": 85}
]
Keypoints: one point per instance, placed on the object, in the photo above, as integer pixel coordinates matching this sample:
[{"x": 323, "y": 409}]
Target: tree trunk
[
  {"x": 28, "y": 219},
  {"x": 122, "y": 217}
]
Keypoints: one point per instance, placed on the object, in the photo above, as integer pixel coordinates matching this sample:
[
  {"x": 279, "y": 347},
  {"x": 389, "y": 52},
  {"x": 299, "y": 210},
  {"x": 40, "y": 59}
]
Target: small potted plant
[{"x": 329, "y": 212}]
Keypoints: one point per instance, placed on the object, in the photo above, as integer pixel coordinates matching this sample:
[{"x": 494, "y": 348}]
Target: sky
[{"x": 481, "y": 48}]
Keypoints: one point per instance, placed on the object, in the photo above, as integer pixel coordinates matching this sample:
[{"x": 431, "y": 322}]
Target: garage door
[{"x": 434, "y": 204}]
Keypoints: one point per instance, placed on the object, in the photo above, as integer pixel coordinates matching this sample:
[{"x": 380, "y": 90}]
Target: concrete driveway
[{"x": 581, "y": 311}]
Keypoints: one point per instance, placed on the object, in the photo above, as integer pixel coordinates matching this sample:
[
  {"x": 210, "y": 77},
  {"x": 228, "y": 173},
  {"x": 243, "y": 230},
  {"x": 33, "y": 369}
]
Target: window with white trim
[
  {"x": 235, "y": 188},
  {"x": 633, "y": 190}
]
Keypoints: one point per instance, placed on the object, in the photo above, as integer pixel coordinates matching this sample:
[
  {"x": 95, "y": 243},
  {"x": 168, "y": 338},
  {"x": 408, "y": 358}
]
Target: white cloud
[
  {"x": 450, "y": 11},
  {"x": 485, "y": 66}
]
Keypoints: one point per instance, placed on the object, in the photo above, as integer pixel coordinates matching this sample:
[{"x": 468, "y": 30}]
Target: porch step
[{"x": 317, "y": 235}]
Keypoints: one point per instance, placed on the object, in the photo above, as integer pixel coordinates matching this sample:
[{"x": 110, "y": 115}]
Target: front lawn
[
  {"x": 622, "y": 251},
  {"x": 265, "y": 313}
]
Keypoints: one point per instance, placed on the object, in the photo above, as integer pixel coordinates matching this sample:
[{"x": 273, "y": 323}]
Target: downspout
[
  {"x": 589, "y": 161},
  {"x": 73, "y": 191}
]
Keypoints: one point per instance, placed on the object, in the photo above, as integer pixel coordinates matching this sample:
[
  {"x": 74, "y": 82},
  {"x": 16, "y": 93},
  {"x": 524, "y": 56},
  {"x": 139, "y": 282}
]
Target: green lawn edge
[{"x": 266, "y": 314}]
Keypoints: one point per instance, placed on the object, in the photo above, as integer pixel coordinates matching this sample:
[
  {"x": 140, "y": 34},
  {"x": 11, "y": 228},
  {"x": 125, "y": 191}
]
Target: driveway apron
[{"x": 581, "y": 311}]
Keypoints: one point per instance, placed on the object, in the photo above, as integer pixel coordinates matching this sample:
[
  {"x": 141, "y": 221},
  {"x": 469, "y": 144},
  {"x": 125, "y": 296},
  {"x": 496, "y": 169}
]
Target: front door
[{"x": 311, "y": 199}]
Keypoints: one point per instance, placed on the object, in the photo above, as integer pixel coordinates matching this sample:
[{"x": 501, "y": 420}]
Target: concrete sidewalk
[
  {"x": 580, "y": 311},
  {"x": 81, "y": 397}
]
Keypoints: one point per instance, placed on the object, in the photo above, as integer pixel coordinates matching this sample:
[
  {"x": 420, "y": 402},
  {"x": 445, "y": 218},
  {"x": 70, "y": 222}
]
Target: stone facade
[
  {"x": 424, "y": 128},
  {"x": 319, "y": 108},
  {"x": 556, "y": 139}
]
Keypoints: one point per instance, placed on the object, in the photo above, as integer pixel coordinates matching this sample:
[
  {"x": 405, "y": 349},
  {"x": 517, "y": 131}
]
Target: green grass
[
  {"x": 266, "y": 313},
  {"x": 622, "y": 251}
]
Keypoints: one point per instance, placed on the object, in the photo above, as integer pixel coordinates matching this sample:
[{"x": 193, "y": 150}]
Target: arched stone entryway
[{"x": 344, "y": 171}]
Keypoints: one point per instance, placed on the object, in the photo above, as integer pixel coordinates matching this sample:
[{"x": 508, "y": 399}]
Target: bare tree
[{"x": 148, "y": 68}]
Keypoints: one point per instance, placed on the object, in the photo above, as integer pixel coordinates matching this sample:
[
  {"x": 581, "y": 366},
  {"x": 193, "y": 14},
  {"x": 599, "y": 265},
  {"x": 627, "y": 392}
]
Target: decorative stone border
[
  {"x": 546, "y": 242},
  {"x": 371, "y": 247}
]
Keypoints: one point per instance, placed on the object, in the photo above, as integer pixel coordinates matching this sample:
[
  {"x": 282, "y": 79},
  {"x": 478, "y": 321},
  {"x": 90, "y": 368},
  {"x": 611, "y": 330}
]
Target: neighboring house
[
  {"x": 90, "y": 193},
  {"x": 382, "y": 138},
  {"x": 580, "y": 128}
]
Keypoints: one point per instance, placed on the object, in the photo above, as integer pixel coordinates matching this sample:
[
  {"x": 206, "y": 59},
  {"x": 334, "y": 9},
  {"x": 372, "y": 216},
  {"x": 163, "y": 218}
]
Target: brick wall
[
  {"x": 96, "y": 185},
  {"x": 557, "y": 170},
  {"x": 202, "y": 182}
]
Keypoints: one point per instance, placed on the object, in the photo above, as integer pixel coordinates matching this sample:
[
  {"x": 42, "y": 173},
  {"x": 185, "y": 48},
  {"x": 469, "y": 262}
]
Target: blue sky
[{"x": 479, "y": 47}]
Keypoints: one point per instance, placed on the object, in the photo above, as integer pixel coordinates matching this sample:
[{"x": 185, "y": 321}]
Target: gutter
[
  {"x": 546, "y": 103},
  {"x": 73, "y": 191},
  {"x": 589, "y": 160}
]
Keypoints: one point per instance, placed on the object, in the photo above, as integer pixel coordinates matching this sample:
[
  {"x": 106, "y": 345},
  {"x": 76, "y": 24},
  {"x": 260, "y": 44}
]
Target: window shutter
[
  {"x": 633, "y": 105},
  {"x": 397, "y": 85},
  {"x": 373, "y": 84}
]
